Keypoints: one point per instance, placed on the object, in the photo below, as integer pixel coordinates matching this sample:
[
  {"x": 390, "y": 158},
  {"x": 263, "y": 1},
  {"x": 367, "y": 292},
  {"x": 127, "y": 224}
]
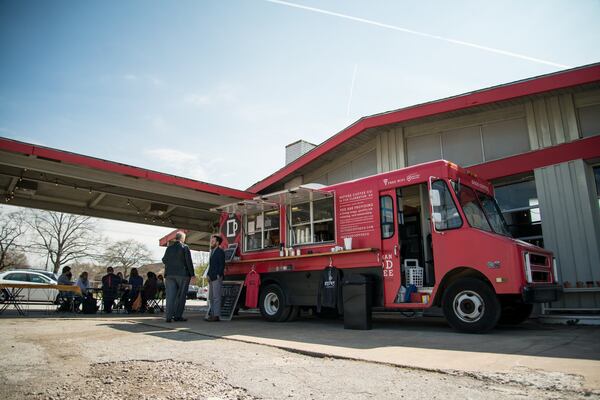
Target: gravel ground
[
  {"x": 119, "y": 359},
  {"x": 146, "y": 380}
]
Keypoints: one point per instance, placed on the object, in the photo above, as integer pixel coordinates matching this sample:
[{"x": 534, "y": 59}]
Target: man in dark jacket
[
  {"x": 110, "y": 286},
  {"x": 178, "y": 272},
  {"x": 216, "y": 269}
]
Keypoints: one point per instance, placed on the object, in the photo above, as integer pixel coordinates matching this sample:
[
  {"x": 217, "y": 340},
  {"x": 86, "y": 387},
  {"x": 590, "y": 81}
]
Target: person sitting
[
  {"x": 63, "y": 279},
  {"x": 149, "y": 291},
  {"x": 160, "y": 283},
  {"x": 110, "y": 286},
  {"x": 123, "y": 294},
  {"x": 136, "y": 282},
  {"x": 65, "y": 298},
  {"x": 84, "y": 286},
  {"x": 83, "y": 283}
]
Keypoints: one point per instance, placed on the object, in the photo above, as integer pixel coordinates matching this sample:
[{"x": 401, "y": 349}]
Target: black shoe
[
  {"x": 180, "y": 319},
  {"x": 169, "y": 320}
]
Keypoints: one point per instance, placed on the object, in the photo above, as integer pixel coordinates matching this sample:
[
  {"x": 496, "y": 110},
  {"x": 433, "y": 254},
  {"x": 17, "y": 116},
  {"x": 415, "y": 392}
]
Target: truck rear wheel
[
  {"x": 514, "y": 312},
  {"x": 272, "y": 304},
  {"x": 471, "y": 306}
]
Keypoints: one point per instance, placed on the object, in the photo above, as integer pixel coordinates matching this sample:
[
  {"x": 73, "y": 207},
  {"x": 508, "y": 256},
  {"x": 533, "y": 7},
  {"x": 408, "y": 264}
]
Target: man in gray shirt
[{"x": 178, "y": 272}]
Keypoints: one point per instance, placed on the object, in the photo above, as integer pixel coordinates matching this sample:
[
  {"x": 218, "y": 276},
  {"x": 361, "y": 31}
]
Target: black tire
[
  {"x": 272, "y": 304},
  {"x": 4, "y": 295},
  {"x": 514, "y": 312},
  {"x": 294, "y": 314},
  {"x": 470, "y": 305}
]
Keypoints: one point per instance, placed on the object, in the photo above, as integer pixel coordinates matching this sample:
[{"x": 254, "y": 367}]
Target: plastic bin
[{"x": 357, "y": 302}]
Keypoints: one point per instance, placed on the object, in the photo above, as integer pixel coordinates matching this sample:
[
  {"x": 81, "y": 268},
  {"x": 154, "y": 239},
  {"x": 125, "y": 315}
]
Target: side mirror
[{"x": 434, "y": 196}]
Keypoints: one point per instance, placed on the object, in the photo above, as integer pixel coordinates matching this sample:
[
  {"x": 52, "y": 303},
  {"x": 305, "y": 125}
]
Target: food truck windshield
[{"x": 480, "y": 209}]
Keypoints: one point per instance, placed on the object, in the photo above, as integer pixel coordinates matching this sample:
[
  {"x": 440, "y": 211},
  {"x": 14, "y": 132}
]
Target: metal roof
[
  {"x": 528, "y": 87},
  {"x": 41, "y": 177}
]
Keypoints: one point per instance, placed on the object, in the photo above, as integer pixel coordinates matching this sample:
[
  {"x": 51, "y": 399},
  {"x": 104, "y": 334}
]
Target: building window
[
  {"x": 463, "y": 146},
  {"x": 387, "y": 217},
  {"x": 520, "y": 206},
  {"x": 312, "y": 222},
  {"x": 471, "y": 145},
  {"x": 505, "y": 138},
  {"x": 420, "y": 149},
  {"x": 261, "y": 231},
  {"x": 589, "y": 120}
]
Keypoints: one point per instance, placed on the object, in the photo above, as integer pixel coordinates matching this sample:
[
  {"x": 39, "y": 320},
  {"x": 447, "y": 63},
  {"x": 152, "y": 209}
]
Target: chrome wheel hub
[{"x": 468, "y": 306}]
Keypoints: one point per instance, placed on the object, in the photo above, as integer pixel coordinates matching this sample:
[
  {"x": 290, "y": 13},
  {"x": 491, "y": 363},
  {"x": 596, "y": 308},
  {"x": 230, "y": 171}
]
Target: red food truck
[{"x": 424, "y": 236}]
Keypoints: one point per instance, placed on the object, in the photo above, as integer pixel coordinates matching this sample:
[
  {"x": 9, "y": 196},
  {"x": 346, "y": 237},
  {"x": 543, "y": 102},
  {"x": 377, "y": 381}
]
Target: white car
[
  {"x": 203, "y": 292},
  {"x": 34, "y": 278}
]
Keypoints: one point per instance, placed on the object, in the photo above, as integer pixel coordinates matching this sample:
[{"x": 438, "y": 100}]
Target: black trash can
[{"x": 357, "y": 302}]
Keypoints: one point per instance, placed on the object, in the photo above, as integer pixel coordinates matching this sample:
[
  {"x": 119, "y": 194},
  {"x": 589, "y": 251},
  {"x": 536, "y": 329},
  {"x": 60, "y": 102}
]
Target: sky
[{"x": 214, "y": 90}]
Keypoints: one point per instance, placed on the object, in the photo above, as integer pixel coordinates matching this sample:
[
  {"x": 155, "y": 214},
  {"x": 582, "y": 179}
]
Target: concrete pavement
[{"x": 530, "y": 354}]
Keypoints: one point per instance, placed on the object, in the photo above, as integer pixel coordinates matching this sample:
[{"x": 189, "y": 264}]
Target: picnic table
[{"x": 12, "y": 293}]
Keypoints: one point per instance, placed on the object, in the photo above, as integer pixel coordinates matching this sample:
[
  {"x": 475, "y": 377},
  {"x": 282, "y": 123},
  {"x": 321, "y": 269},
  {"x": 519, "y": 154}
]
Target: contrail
[
  {"x": 427, "y": 35},
  {"x": 352, "y": 89}
]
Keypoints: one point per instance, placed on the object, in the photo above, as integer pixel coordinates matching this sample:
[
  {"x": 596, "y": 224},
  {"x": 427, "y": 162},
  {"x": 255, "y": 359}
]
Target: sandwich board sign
[{"x": 230, "y": 294}]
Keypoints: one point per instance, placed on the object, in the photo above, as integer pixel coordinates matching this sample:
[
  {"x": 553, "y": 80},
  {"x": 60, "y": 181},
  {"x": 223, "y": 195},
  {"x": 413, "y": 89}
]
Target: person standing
[
  {"x": 179, "y": 270},
  {"x": 216, "y": 269}
]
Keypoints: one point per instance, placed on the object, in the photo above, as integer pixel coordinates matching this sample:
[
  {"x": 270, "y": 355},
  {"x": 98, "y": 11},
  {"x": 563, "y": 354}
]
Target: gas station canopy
[{"x": 39, "y": 177}]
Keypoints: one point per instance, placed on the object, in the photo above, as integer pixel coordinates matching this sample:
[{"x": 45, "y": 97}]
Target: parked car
[
  {"x": 34, "y": 277},
  {"x": 203, "y": 293},
  {"x": 192, "y": 292}
]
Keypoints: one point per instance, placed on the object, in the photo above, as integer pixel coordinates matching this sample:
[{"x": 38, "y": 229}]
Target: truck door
[{"x": 390, "y": 249}]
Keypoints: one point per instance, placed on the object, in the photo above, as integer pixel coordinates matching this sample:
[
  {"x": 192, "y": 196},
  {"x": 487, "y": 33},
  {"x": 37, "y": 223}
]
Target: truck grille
[{"x": 537, "y": 268}]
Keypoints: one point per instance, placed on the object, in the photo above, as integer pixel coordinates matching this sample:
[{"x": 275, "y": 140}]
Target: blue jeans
[{"x": 177, "y": 287}]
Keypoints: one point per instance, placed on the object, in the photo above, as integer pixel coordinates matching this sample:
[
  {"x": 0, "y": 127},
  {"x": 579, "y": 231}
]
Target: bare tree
[
  {"x": 15, "y": 258},
  {"x": 12, "y": 227},
  {"x": 127, "y": 254},
  {"x": 65, "y": 237}
]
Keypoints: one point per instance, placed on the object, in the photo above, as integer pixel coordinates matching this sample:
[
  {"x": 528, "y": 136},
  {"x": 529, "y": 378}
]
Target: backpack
[{"x": 89, "y": 305}]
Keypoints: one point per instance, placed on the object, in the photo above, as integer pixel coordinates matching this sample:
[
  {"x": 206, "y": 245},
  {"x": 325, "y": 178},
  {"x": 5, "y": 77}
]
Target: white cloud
[
  {"x": 197, "y": 100},
  {"x": 179, "y": 163},
  {"x": 223, "y": 93},
  {"x": 149, "y": 79},
  {"x": 158, "y": 122},
  {"x": 171, "y": 155}
]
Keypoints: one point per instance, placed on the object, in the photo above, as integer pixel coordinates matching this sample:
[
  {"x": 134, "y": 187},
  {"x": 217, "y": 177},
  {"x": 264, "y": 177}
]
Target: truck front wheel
[
  {"x": 272, "y": 304},
  {"x": 471, "y": 306}
]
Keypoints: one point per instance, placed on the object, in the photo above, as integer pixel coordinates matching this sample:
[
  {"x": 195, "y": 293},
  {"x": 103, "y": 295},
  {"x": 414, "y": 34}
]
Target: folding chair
[
  {"x": 157, "y": 303},
  {"x": 65, "y": 302}
]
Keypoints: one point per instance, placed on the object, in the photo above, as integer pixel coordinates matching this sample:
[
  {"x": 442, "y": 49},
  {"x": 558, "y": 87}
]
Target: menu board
[
  {"x": 230, "y": 293},
  {"x": 356, "y": 217}
]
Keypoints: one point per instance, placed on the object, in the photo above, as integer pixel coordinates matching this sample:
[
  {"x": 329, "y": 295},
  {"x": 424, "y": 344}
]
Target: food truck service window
[
  {"x": 312, "y": 222},
  {"x": 261, "y": 231}
]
